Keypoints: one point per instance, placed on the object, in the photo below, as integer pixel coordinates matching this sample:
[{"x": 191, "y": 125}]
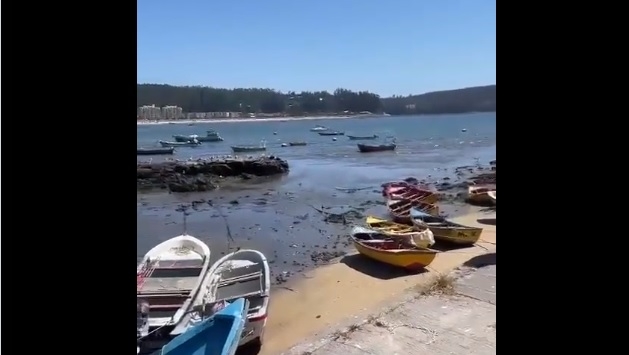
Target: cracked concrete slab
[{"x": 463, "y": 323}]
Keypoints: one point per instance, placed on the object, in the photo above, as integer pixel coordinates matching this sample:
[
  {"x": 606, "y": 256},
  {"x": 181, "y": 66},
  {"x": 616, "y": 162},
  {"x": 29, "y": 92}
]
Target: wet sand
[{"x": 353, "y": 287}]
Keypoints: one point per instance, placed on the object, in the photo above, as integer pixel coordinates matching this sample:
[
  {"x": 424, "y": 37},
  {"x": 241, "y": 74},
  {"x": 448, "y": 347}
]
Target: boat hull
[
  {"x": 167, "y": 144},
  {"x": 411, "y": 193},
  {"x": 446, "y": 231},
  {"x": 358, "y": 138},
  {"x": 480, "y": 195},
  {"x": 297, "y": 144},
  {"x": 410, "y": 259},
  {"x": 331, "y": 133},
  {"x": 366, "y": 148},
  {"x": 216, "y": 335},
  {"x": 248, "y": 149}
]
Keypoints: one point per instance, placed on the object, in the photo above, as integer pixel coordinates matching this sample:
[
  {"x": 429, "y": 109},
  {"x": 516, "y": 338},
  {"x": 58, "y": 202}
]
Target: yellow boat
[
  {"x": 445, "y": 230},
  {"x": 388, "y": 227},
  {"x": 480, "y": 195},
  {"x": 391, "y": 252},
  {"x": 421, "y": 239}
]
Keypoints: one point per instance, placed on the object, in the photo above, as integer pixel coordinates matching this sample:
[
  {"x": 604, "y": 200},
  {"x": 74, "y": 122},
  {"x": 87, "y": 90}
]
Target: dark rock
[{"x": 199, "y": 176}]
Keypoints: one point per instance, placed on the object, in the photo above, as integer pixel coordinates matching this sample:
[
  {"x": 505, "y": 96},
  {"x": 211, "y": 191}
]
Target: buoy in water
[
  {"x": 334, "y": 139},
  {"x": 464, "y": 130},
  {"x": 284, "y": 145},
  {"x": 275, "y": 133}
]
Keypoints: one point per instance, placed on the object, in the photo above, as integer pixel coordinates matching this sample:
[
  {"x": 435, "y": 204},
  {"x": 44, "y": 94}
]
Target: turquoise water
[{"x": 425, "y": 144}]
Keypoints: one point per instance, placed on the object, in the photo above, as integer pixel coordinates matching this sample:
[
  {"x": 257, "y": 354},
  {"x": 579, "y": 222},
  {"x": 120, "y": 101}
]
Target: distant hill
[
  {"x": 207, "y": 99},
  {"x": 474, "y": 99}
]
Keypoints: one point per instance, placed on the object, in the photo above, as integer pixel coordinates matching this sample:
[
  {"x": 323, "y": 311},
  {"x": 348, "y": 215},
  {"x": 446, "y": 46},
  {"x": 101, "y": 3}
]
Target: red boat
[{"x": 411, "y": 193}]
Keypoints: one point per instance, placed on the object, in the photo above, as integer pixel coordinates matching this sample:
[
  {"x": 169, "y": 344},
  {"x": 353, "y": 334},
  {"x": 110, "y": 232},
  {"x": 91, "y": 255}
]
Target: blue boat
[{"x": 216, "y": 335}]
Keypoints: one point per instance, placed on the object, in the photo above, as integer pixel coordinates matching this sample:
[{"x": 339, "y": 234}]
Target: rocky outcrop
[{"x": 204, "y": 175}]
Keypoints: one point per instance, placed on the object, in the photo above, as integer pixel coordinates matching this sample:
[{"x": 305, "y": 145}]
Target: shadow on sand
[
  {"x": 481, "y": 260},
  {"x": 445, "y": 246},
  {"x": 374, "y": 268},
  {"x": 489, "y": 221}
]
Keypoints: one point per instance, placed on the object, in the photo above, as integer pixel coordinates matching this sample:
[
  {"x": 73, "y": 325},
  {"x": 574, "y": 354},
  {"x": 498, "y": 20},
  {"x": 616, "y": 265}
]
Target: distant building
[
  {"x": 172, "y": 113},
  {"x": 149, "y": 112}
]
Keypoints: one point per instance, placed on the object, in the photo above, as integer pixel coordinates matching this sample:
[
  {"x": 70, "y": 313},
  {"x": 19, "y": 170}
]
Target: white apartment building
[
  {"x": 149, "y": 112},
  {"x": 172, "y": 112}
]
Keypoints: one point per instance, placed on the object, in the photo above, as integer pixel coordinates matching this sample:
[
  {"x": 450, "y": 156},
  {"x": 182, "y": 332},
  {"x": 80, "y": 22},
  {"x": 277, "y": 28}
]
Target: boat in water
[
  {"x": 210, "y": 136},
  {"x": 192, "y": 143},
  {"x": 370, "y": 148},
  {"x": 331, "y": 133},
  {"x": 358, "y": 138},
  {"x": 217, "y": 334},
  {"x": 243, "y": 274},
  {"x": 156, "y": 151},
  {"x": 319, "y": 128},
  {"x": 170, "y": 280},
  {"x": 249, "y": 148},
  {"x": 297, "y": 144},
  {"x": 445, "y": 230},
  {"x": 393, "y": 252}
]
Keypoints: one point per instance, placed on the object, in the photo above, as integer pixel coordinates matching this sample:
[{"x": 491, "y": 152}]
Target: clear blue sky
[{"x": 387, "y": 47}]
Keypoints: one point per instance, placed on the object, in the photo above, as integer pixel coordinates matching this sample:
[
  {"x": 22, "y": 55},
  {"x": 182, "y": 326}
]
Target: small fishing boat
[
  {"x": 392, "y": 252},
  {"x": 370, "y": 148},
  {"x": 297, "y": 144},
  {"x": 169, "y": 282},
  {"x": 243, "y": 274},
  {"x": 359, "y": 138},
  {"x": 400, "y": 209},
  {"x": 217, "y": 334},
  {"x": 479, "y": 195},
  {"x": 332, "y": 133},
  {"x": 319, "y": 128},
  {"x": 388, "y": 227},
  {"x": 423, "y": 239},
  {"x": 193, "y": 143},
  {"x": 156, "y": 151},
  {"x": 445, "y": 230},
  {"x": 250, "y": 148},
  {"x": 492, "y": 195},
  {"x": 210, "y": 136},
  {"x": 412, "y": 193}
]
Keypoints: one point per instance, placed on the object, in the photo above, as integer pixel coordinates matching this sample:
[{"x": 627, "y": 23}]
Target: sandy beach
[
  {"x": 235, "y": 120},
  {"x": 330, "y": 296}
]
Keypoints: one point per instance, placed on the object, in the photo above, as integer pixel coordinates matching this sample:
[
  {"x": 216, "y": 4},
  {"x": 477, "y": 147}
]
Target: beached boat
[
  {"x": 217, "y": 334},
  {"x": 479, "y": 195},
  {"x": 358, "y": 138},
  {"x": 388, "y": 227},
  {"x": 249, "y": 148},
  {"x": 423, "y": 239},
  {"x": 400, "y": 209},
  {"x": 296, "y": 144},
  {"x": 392, "y": 252},
  {"x": 156, "y": 151},
  {"x": 445, "y": 230},
  {"x": 319, "y": 128},
  {"x": 331, "y": 133},
  {"x": 210, "y": 136},
  {"x": 370, "y": 148},
  {"x": 169, "y": 282},
  {"x": 492, "y": 195},
  {"x": 244, "y": 273},
  {"x": 412, "y": 193},
  {"x": 180, "y": 144}
]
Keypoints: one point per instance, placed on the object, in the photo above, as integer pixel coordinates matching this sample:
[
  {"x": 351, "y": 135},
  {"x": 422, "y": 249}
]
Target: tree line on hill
[{"x": 207, "y": 99}]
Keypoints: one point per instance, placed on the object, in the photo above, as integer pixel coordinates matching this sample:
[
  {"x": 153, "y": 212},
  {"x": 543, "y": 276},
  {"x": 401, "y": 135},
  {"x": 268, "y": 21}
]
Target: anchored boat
[
  {"x": 193, "y": 143},
  {"x": 393, "y": 252},
  {"x": 370, "y": 148},
  {"x": 445, "y": 230},
  {"x": 156, "y": 151}
]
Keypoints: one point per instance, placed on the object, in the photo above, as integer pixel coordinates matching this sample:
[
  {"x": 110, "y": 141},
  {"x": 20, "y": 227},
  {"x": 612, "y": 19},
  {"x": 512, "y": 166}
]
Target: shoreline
[
  {"x": 236, "y": 120},
  {"x": 353, "y": 287}
]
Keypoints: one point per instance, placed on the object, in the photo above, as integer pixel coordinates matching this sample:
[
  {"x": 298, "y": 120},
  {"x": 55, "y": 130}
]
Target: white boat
[
  {"x": 319, "y": 128},
  {"x": 241, "y": 274},
  {"x": 492, "y": 195},
  {"x": 170, "y": 281}
]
